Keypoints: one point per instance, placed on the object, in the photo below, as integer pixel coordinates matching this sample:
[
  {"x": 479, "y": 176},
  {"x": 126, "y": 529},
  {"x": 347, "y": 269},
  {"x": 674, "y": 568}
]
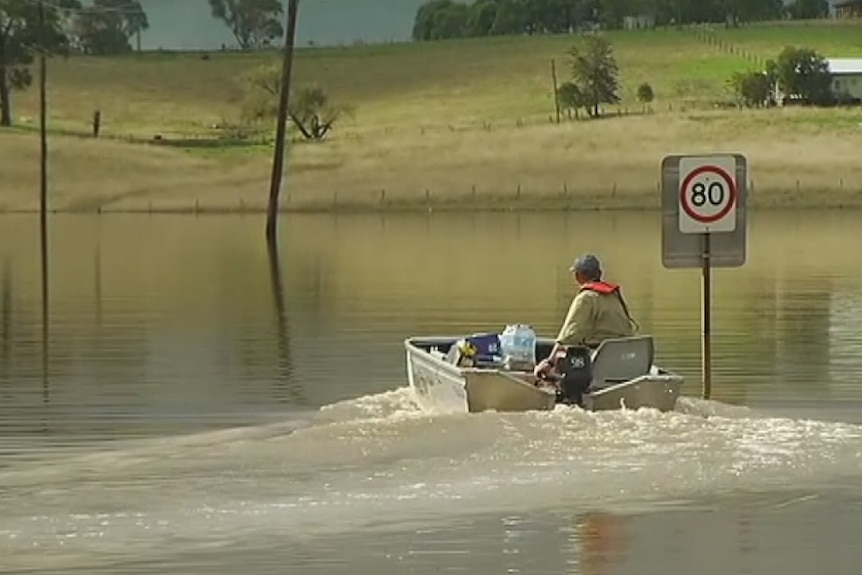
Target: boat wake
[{"x": 379, "y": 461}]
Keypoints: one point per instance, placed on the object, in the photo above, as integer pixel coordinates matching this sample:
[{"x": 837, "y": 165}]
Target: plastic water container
[{"x": 518, "y": 346}]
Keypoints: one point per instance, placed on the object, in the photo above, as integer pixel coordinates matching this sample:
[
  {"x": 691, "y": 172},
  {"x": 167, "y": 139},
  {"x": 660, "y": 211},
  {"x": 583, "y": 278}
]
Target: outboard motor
[{"x": 576, "y": 373}]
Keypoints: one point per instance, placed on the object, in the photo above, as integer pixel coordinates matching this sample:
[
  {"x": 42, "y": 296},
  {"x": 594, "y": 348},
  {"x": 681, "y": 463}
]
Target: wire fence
[{"x": 841, "y": 193}]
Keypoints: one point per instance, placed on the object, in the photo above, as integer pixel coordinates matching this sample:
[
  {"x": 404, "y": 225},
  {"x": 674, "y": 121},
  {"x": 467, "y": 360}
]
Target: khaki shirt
[{"x": 593, "y": 318}]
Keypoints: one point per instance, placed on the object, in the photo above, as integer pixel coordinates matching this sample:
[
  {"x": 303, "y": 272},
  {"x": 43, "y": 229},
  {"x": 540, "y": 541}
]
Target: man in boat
[{"x": 597, "y": 312}]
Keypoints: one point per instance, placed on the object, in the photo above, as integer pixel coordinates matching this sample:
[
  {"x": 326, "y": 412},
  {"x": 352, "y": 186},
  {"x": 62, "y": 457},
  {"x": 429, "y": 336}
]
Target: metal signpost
[{"x": 704, "y": 224}]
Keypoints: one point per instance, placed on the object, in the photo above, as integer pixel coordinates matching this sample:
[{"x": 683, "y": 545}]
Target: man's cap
[{"x": 587, "y": 264}]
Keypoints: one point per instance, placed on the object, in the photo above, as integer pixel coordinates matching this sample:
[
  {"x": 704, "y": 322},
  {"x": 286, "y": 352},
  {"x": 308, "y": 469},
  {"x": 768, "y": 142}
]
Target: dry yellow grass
[
  {"x": 608, "y": 164},
  {"x": 453, "y": 124}
]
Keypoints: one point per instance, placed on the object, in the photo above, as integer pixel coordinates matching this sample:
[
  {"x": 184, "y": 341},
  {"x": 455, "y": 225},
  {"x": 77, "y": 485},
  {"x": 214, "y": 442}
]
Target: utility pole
[
  {"x": 556, "y": 89},
  {"x": 43, "y": 187},
  {"x": 281, "y": 126}
]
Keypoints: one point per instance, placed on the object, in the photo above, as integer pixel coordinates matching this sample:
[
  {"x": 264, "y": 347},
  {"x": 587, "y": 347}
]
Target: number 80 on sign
[{"x": 707, "y": 194}]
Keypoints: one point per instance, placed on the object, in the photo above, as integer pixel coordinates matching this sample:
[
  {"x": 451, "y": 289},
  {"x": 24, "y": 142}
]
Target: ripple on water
[{"x": 379, "y": 462}]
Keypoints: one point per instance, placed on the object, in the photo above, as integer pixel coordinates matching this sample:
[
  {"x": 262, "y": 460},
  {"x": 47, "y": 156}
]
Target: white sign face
[{"x": 707, "y": 194}]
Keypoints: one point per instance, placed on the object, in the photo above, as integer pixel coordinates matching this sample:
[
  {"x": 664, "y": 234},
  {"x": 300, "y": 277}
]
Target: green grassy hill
[{"x": 445, "y": 117}]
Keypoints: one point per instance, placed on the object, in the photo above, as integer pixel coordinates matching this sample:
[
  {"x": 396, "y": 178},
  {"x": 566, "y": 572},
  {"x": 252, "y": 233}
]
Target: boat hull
[
  {"x": 441, "y": 387},
  {"x": 651, "y": 391}
]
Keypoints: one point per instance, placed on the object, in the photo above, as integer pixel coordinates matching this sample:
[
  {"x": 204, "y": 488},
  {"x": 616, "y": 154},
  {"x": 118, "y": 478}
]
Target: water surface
[{"x": 198, "y": 413}]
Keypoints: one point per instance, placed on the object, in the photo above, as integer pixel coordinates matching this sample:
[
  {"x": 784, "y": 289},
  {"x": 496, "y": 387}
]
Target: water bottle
[{"x": 518, "y": 347}]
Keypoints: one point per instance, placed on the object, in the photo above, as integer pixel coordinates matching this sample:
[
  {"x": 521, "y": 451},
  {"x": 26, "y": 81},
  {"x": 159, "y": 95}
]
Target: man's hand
[{"x": 542, "y": 368}]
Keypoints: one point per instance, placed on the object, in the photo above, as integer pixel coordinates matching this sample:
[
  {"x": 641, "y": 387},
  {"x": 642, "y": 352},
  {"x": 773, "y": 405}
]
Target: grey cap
[{"x": 587, "y": 264}]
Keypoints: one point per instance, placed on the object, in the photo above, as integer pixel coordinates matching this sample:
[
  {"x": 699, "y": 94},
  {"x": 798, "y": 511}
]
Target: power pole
[
  {"x": 556, "y": 89},
  {"x": 281, "y": 126},
  {"x": 43, "y": 187}
]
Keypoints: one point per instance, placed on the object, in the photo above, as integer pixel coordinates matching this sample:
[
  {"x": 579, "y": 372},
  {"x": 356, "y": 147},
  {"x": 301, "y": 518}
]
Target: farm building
[
  {"x": 846, "y": 77},
  {"x": 846, "y": 81},
  {"x": 847, "y": 8},
  {"x": 640, "y": 22}
]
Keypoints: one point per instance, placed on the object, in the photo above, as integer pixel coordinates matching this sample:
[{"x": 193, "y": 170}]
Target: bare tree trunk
[
  {"x": 281, "y": 126},
  {"x": 5, "y": 106}
]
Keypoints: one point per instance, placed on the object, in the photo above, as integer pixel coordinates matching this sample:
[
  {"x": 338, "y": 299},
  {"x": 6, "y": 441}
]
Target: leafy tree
[
  {"x": 571, "y": 98},
  {"x": 752, "y": 89},
  {"x": 451, "y": 21},
  {"x": 425, "y": 23},
  {"x": 808, "y": 9},
  {"x": 645, "y": 94},
  {"x": 480, "y": 20},
  {"x": 20, "y": 40},
  {"x": 756, "y": 88},
  {"x": 254, "y": 23},
  {"x": 595, "y": 72},
  {"x": 107, "y": 26},
  {"x": 804, "y": 73},
  {"x": 311, "y": 110},
  {"x": 511, "y": 17}
]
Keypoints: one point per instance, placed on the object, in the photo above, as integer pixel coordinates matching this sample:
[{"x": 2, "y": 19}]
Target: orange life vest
[{"x": 605, "y": 288}]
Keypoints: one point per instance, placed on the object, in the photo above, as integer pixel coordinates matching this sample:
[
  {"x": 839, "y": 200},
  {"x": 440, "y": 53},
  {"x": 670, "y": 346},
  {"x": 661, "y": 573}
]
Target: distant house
[
  {"x": 847, "y": 8},
  {"x": 846, "y": 78},
  {"x": 846, "y": 81},
  {"x": 641, "y": 22}
]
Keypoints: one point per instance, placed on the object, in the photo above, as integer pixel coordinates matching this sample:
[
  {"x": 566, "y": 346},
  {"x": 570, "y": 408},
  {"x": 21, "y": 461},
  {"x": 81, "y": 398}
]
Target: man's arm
[
  {"x": 577, "y": 324},
  {"x": 579, "y": 321}
]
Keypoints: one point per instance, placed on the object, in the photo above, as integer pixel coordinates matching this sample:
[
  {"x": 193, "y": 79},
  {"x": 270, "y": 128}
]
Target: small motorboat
[{"x": 619, "y": 375}]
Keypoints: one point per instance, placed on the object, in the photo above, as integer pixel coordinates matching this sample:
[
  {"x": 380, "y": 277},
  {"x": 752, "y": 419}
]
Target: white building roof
[{"x": 845, "y": 65}]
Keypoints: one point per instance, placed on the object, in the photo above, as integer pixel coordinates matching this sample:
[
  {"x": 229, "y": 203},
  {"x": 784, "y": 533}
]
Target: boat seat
[{"x": 621, "y": 359}]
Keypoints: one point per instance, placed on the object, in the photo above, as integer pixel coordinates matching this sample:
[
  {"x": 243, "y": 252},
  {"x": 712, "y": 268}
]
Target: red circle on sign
[{"x": 731, "y": 192}]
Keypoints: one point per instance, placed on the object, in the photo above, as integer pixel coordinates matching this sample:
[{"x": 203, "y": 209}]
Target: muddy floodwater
[{"x": 199, "y": 410}]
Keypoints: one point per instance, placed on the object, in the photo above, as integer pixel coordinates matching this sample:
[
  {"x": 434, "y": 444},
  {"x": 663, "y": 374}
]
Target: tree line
[
  {"x": 445, "y": 19},
  {"x": 798, "y": 75},
  {"x": 105, "y": 27}
]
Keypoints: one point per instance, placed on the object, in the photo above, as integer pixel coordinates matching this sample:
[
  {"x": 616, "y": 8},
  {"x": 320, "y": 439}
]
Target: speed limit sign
[{"x": 707, "y": 194}]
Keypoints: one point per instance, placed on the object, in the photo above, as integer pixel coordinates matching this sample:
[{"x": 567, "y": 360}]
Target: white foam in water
[{"x": 380, "y": 460}]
